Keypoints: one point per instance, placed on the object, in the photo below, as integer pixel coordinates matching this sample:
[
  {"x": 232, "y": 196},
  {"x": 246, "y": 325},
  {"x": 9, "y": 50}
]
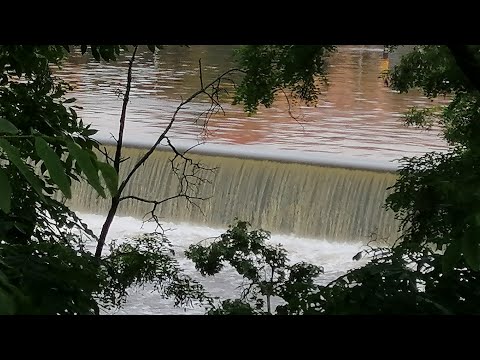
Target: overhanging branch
[
  {"x": 188, "y": 174},
  {"x": 170, "y": 124}
]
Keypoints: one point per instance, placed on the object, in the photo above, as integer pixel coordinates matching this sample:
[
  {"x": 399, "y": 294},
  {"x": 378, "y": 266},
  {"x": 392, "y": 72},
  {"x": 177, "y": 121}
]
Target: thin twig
[
  {"x": 167, "y": 129},
  {"x": 108, "y": 158},
  {"x": 187, "y": 181},
  {"x": 118, "y": 152},
  {"x": 200, "y": 72},
  {"x": 290, "y": 110}
]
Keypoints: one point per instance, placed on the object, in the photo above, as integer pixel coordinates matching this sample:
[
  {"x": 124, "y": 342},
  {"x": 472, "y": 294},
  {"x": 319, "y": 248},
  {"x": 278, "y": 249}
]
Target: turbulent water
[
  {"x": 336, "y": 258},
  {"x": 338, "y": 204}
]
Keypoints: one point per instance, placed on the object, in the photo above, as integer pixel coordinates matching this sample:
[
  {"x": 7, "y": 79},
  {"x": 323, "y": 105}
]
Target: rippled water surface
[{"x": 356, "y": 115}]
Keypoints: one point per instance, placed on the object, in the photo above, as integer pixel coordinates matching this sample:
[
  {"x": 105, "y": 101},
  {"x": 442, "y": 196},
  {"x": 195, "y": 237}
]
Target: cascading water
[{"x": 315, "y": 201}]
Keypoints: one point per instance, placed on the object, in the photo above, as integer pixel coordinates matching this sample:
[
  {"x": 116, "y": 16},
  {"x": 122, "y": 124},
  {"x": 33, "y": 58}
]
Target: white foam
[{"x": 336, "y": 258}]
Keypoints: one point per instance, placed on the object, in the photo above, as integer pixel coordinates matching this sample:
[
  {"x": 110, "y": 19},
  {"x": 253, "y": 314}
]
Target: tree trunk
[{"x": 106, "y": 226}]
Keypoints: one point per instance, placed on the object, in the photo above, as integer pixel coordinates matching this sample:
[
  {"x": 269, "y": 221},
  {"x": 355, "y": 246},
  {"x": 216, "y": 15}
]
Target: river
[
  {"x": 311, "y": 210},
  {"x": 356, "y": 115}
]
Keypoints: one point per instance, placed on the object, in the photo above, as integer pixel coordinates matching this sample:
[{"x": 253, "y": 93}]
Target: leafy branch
[
  {"x": 189, "y": 173},
  {"x": 264, "y": 268}
]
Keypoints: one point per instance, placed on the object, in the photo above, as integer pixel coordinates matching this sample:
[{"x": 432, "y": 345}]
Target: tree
[
  {"x": 44, "y": 146},
  {"x": 264, "y": 267},
  {"x": 292, "y": 70},
  {"x": 433, "y": 267},
  {"x": 187, "y": 170},
  {"x": 295, "y": 72},
  {"x": 45, "y": 268}
]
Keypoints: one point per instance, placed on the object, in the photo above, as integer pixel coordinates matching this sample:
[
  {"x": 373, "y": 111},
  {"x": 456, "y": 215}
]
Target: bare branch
[
  {"x": 189, "y": 177},
  {"x": 149, "y": 201},
  {"x": 200, "y": 72},
  {"x": 155, "y": 203},
  {"x": 177, "y": 153},
  {"x": 118, "y": 152},
  {"x": 247, "y": 290},
  {"x": 188, "y": 174},
  {"x": 170, "y": 124},
  {"x": 215, "y": 106},
  {"x": 290, "y": 110},
  {"x": 108, "y": 158},
  {"x": 117, "y": 160}
]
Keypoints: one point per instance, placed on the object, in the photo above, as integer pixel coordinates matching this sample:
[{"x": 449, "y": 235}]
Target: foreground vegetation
[{"x": 44, "y": 146}]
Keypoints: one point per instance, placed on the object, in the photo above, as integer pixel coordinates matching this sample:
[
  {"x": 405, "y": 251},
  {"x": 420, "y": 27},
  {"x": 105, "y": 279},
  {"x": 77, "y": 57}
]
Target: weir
[{"x": 315, "y": 199}]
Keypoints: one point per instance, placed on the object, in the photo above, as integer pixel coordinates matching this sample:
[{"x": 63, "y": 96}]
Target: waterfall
[{"x": 309, "y": 200}]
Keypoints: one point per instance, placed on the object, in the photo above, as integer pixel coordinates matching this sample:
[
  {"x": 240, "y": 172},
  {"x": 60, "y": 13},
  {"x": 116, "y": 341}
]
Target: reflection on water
[{"x": 356, "y": 115}]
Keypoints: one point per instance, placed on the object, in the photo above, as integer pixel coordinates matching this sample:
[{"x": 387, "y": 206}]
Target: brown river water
[{"x": 356, "y": 115}]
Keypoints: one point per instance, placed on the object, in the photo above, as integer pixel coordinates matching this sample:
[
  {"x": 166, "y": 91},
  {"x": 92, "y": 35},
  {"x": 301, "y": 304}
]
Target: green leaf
[
  {"x": 7, "y": 127},
  {"x": 84, "y": 160},
  {"x": 69, "y": 100},
  {"x": 110, "y": 176},
  {"x": 66, "y": 47},
  {"x": 89, "y": 132},
  {"x": 451, "y": 256},
  {"x": 471, "y": 249},
  {"x": 54, "y": 166},
  {"x": 23, "y": 228},
  {"x": 6, "y": 190},
  {"x": 151, "y": 48},
  {"x": 15, "y": 158},
  {"x": 83, "y": 49},
  {"x": 74, "y": 113}
]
